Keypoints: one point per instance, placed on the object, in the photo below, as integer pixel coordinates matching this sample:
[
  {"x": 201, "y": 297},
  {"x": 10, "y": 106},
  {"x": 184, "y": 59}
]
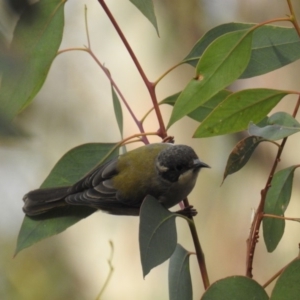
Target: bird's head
[{"x": 178, "y": 162}]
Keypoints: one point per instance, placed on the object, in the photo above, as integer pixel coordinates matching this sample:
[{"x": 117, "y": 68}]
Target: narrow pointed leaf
[
  {"x": 277, "y": 201},
  {"x": 279, "y": 126},
  {"x": 69, "y": 169},
  {"x": 237, "y": 110},
  {"x": 7, "y": 129},
  {"x": 235, "y": 288},
  {"x": 36, "y": 44},
  {"x": 222, "y": 63},
  {"x": 193, "y": 57},
  {"x": 200, "y": 113},
  {"x": 287, "y": 286},
  {"x": 272, "y": 47},
  {"x": 118, "y": 110},
  {"x": 180, "y": 283},
  {"x": 146, "y": 7},
  {"x": 241, "y": 153},
  {"x": 157, "y": 234}
]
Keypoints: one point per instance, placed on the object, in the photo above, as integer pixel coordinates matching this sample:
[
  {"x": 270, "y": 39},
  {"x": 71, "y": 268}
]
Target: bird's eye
[{"x": 179, "y": 168}]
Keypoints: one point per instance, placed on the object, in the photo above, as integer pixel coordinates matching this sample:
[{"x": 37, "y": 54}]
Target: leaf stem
[
  {"x": 124, "y": 142},
  {"x": 150, "y": 85},
  {"x": 166, "y": 73},
  {"x": 112, "y": 82},
  {"x": 293, "y": 17},
  {"x": 277, "y": 274},
  {"x": 254, "y": 231},
  {"x": 285, "y": 19},
  {"x": 199, "y": 252},
  {"x": 107, "y": 73},
  {"x": 281, "y": 217},
  {"x": 86, "y": 27}
]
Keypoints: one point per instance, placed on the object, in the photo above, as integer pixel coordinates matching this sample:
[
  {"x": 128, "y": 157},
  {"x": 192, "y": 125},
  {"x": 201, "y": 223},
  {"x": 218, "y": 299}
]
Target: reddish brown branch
[
  {"x": 150, "y": 85},
  {"x": 254, "y": 231},
  {"x": 198, "y": 249}
]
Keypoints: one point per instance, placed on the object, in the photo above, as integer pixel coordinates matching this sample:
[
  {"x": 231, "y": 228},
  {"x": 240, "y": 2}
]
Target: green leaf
[
  {"x": 69, "y": 169},
  {"x": 272, "y": 47},
  {"x": 146, "y": 7},
  {"x": 171, "y": 99},
  {"x": 7, "y": 129},
  {"x": 36, "y": 44},
  {"x": 180, "y": 283},
  {"x": 235, "y": 288},
  {"x": 241, "y": 153},
  {"x": 157, "y": 234},
  {"x": 237, "y": 110},
  {"x": 193, "y": 57},
  {"x": 118, "y": 110},
  {"x": 279, "y": 126},
  {"x": 223, "y": 62},
  {"x": 277, "y": 201},
  {"x": 287, "y": 286},
  {"x": 204, "y": 110}
]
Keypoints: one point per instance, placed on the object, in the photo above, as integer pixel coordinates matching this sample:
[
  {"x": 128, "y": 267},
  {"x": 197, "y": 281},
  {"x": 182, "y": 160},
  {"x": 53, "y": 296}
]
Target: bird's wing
[
  {"x": 96, "y": 190},
  {"x": 95, "y": 185}
]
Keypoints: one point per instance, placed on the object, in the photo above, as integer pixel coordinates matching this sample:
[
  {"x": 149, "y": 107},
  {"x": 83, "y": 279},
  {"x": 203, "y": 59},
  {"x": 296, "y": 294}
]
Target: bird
[{"x": 165, "y": 171}]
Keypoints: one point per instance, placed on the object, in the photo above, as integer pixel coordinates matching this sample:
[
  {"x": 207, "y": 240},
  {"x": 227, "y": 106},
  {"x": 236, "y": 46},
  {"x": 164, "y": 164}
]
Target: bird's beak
[{"x": 199, "y": 164}]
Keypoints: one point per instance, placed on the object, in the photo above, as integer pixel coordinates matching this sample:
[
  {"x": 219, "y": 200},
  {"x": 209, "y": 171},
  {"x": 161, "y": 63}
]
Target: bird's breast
[{"x": 179, "y": 189}]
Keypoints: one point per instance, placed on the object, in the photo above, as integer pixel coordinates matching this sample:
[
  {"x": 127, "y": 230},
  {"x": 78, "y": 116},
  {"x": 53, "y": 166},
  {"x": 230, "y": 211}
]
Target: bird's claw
[{"x": 188, "y": 211}]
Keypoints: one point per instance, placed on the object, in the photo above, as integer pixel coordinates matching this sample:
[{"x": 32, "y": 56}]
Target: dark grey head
[{"x": 176, "y": 160}]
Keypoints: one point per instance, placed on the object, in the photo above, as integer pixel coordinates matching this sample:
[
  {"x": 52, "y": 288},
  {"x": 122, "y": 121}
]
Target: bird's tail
[{"x": 43, "y": 200}]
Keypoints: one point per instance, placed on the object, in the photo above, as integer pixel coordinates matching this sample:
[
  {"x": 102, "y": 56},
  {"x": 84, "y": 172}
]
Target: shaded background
[{"x": 75, "y": 107}]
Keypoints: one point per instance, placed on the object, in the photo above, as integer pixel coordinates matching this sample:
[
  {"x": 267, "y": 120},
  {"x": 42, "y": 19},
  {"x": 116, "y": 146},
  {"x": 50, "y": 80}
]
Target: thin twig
[
  {"x": 253, "y": 237},
  {"x": 277, "y": 274},
  {"x": 86, "y": 27},
  {"x": 293, "y": 17},
  {"x": 107, "y": 73},
  {"x": 111, "y": 270},
  {"x": 167, "y": 72},
  {"x": 150, "y": 86},
  {"x": 199, "y": 252},
  {"x": 113, "y": 83}
]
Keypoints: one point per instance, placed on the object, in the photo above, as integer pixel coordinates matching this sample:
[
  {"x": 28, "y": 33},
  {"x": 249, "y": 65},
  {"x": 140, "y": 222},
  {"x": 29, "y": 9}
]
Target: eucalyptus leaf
[
  {"x": 118, "y": 110},
  {"x": 200, "y": 113},
  {"x": 194, "y": 55},
  {"x": 157, "y": 234},
  {"x": 237, "y": 110},
  {"x": 180, "y": 283},
  {"x": 235, "y": 288},
  {"x": 34, "y": 46},
  {"x": 287, "y": 286},
  {"x": 279, "y": 126},
  {"x": 69, "y": 169},
  {"x": 7, "y": 129},
  {"x": 241, "y": 153},
  {"x": 146, "y": 7},
  {"x": 222, "y": 63},
  {"x": 277, "y": 201},
  {"x": 272, "y": 47}
]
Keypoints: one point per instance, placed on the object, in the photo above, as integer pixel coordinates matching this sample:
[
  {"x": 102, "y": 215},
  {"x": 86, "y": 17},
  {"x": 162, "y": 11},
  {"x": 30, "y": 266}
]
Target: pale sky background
[{"x": 74, "y": 107}]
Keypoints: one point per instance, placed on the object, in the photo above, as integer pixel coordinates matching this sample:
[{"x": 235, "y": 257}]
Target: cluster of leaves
[{"x": 223, "y": 55}]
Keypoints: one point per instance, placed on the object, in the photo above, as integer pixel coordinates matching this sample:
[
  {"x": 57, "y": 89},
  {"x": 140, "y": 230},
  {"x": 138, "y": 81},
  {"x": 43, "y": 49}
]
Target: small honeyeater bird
[{"x": 165, "y": 171}]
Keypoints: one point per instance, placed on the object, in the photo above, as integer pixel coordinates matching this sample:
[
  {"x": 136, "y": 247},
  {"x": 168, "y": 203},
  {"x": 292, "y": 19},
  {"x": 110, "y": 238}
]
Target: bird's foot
[{"x": 188, "y": 211}]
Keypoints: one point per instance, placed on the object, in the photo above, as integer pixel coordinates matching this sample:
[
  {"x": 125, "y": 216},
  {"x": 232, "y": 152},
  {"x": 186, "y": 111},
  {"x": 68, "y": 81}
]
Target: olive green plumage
[{"x": 167, "y": 172}]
